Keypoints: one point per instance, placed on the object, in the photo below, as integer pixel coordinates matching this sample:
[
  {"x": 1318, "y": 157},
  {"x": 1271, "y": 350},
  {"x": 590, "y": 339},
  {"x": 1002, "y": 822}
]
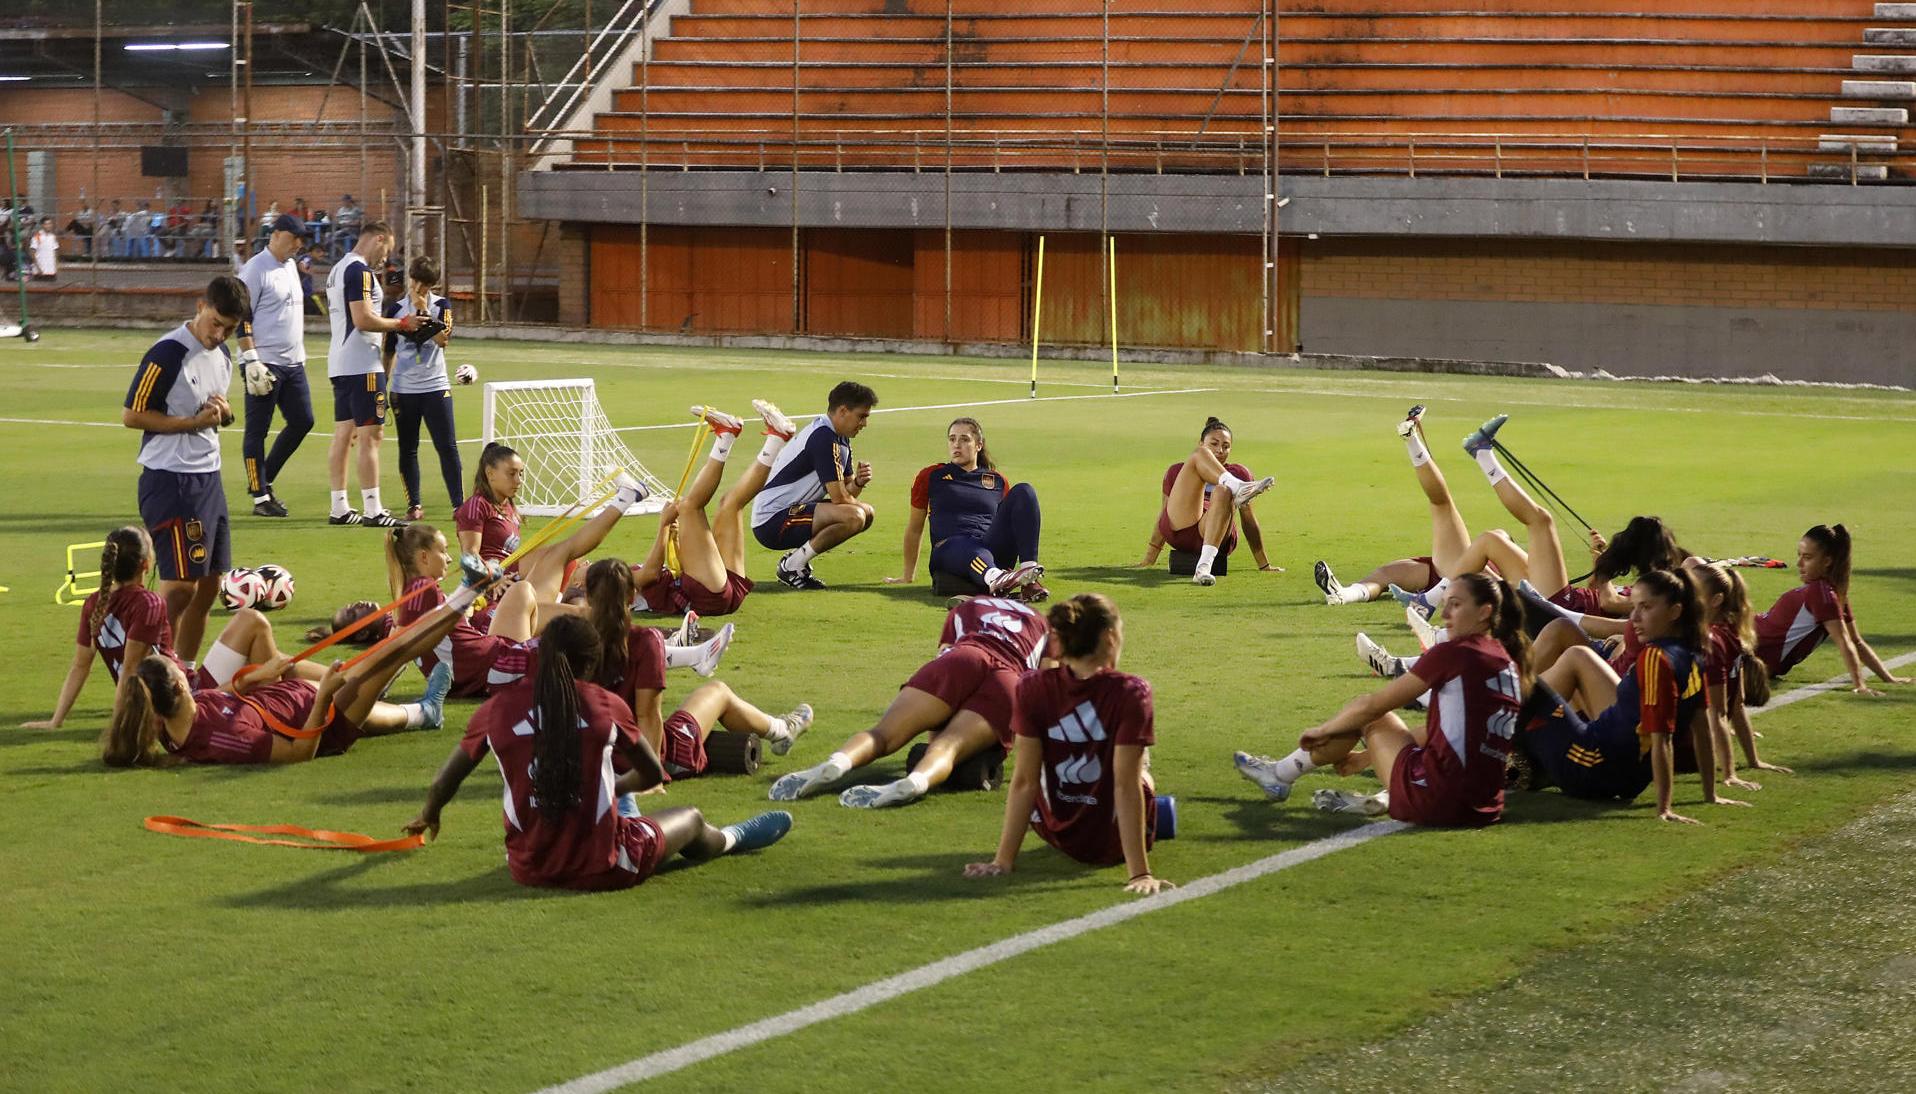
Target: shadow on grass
[
  {"x": 1906, "y": 573},
  {"x": 65, "y": 735},
  {"x": 333, "y": 889},
  {"x": 1153, "y": 578},
  {"x": 1257, "y": 818},
  {"x": 936, "y": 876},
  {"x": 1860, "y": 760}
]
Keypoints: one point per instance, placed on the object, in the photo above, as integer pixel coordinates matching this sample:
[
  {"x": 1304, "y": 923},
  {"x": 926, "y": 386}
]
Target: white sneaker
[
  {"x": 631, "y": 490},
  {"x": 796, "y": 723},
  {"x": 802, "y": 784},
  {"x": 720, "y": 421},
  {"x": 868, "y": 796},
  {"x": 776, "y": 423},
  {"x": 688, "y": 632},
  {"x": 1427, "y": 635},
  {"x": 1251, "y": 490},
  {"x": 1203, "y": 577},
  {"x": 1262, "y": 770},
  {"x": 708, "y": 661},
  {"x": 1377, "y": 659},
  {"x": 1327, "y": 583},
  {"x": 1024, "y": 573},
  {"x": 1351, "y": 803}
]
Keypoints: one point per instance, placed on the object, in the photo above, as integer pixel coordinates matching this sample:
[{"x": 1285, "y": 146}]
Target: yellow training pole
[
  {"x": 1037, "y": 312},
  {"x": 1113, "y": 263}
]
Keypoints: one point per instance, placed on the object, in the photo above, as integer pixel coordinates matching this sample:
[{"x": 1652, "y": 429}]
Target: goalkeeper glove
[{"x": 259, "y": 378}]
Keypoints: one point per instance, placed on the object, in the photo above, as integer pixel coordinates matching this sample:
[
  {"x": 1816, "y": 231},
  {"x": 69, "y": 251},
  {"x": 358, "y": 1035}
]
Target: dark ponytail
[
  {"x": 1506, "y": 618},
  {"x": 346, "y": 617},
  {"x": 1833, "y": 541},
  {"x": 1679, "y": 588},
  {"x": 125, "y": 551},
  {"x": 567, "y": 654},
  {"x": 492, "y": 456},
  {"x": 1081, "y": 621},
  {"x": 609, "y": 592},
  {"x": 1645, "y": 544},
  {"x": 1212, "y": 425}
]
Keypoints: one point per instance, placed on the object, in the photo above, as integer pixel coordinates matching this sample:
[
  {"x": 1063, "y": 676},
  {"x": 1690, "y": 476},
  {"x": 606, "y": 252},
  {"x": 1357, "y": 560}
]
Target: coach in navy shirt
[
  {"x": 178, "y": 403},
  {"x": 810, "y": 502}
]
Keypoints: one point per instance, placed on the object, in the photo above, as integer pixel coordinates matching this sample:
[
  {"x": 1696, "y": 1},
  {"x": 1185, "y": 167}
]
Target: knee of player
[
  {"x": 1498, "y": 536},
  {"x": 868, "y": 513}
]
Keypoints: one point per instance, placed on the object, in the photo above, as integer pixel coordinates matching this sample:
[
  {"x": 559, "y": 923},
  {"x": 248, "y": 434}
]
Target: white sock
[
  {"x": 1295, "y": 766},
  {"x": 369, "y": 499},
  {"x": 731, "y": 839},
  {"x": 836, "y": 766},
  {"x": 1228, "y": 481},
  {"x": 1434, "y": 595},
  {"x": 992, "y": 574},
  {"x": 801, "y": 558},
  {"x": 778, "y": 730},
  {"x": 628, "y": 496},
  {"x": 722, "y": 446},
  {"x": 415, "y": 715},
  {"x": 1494, "y": 471},
  {"x": 1206, "y": 557},
  {"x": 463, "y": 596},
  {"x": 684, "y": 657},
  {"x": 1419, "y": 455},
  {"x": 920, "y": 782},
  {"x": 774, "y": 444},
  {"x": 1353, "y": 594},
  {"x": 340, "y": 505}
]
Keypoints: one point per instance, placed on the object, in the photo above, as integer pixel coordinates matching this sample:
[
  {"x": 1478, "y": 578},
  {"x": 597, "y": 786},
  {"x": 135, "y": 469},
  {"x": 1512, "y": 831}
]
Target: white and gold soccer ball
[
  {"x": 465, "y": 374},
  {"x": 241, "y": 588}
]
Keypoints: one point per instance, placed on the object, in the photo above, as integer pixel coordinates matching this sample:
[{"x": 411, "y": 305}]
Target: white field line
[
  {"x": 1409, "y": 391},
  {"x": 925, "y": 976},
  {"x": 61, "y": 421}
]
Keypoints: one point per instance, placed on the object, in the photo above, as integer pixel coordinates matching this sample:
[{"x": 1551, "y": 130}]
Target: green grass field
[{"x": 138, "y": 961}]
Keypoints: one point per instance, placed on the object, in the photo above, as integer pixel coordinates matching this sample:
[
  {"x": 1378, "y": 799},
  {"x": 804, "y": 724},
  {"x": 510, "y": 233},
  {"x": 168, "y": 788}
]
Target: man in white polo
[
  {"x": 272, "y": 361},
  {"x": 355, "y": 303}
]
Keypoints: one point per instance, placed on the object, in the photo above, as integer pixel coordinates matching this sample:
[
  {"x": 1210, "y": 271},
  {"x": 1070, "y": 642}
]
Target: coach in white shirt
[
  {"x": 355, "y": 300},
  {"x": 272, "y": 359}
]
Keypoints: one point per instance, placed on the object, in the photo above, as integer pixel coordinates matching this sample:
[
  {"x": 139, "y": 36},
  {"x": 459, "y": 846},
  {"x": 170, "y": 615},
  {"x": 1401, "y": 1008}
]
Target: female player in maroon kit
[
  {"x": 1450, "y": 772},
  {"x": 1819, "y": 608},
  {"x": 1083, "y": 778},
  {"x": 964, "y": 697},
  {"x": 983, "y": 529},
  {"x": 160, "y": 718},
  {"x": 1728, "y": 662},
  {"x": 488, "y": 522},
  {"x": 565, "y": 825},
  {"x": 1195, "y": 517}
]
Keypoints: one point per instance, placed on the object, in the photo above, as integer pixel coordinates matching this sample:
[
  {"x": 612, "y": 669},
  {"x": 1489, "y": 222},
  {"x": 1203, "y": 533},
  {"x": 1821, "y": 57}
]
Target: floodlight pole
[
  {"x": 13, "y": 227},
  {"x": 416, "y": 184}
]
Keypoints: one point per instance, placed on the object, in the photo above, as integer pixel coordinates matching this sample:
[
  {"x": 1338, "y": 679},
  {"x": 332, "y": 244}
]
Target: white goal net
[{"x": 567, "y": 443}]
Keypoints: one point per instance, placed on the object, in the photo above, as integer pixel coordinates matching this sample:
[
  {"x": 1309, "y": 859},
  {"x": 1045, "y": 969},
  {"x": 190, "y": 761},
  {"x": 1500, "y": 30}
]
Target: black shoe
[
  {"x": 800, "y": 579},
  {"x": 350, "y": 516},
  {"x": 383, "y": 519},
  {"x": 266, "y": 505}
]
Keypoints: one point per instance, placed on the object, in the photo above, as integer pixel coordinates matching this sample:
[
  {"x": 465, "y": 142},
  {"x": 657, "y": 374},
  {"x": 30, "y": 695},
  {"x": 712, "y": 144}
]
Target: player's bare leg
[
  {"x": 545, "y": 566},
  {"x": 687, "y": 832},
  {"x": 1583, "y": 679},
  {"x": 700, "y": 557},
  {"x": 966, "y": 735},
  {"x": 250, "y": 636},
  {"x": 716, "y": 704},
  {"x": 337, "y": 453},
  {"x": 367, "y": 439},
  {"x": 1213, "y": 526},
  {"x": 1449, "y": 536},
  {"x": 1184, "y": 505},
  {"x": 911, "y": 712},
  {"x": 188, "y": 603},
  {"x": 728, "y": 528}
]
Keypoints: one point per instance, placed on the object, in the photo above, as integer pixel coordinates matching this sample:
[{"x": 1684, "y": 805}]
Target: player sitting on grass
[
  {"x": 555, "y": 736},
  {"x": 1203, "y": 496},
  {"x": 1608, "y": 737},
  {"x": 1448, "y": 772},
  {"x": 1082, "y": 779},
  {"x": 811, "y": 500},
  {"x": 964, "y": 697},
  {"x": 978, "y": 520},
  {"x": 159, "y": 718},
  {"x": 488, "y": 523},
  {"x": 125, "y": 621},
  {"x": 711, "y": 578},
  {"x": 1819, "y": 608},
  {"x": 1727, "y": 664}
]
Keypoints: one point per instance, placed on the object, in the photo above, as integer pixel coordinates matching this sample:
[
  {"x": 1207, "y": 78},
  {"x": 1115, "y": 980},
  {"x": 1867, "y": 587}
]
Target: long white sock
[
  {"x": 340, "y": 506},
  {"x": 774, "y": 444},
  {"x": 836, "y": 766},
  {"x": 1228, "y": 481},
  {"x": 1494, "y": 471},
  {"x": 1419, "y": 455},
  {"x": 369, "y": 502},
  {"x": 1295, "y": 766},
  {"x": 778, "y": 730},
  {"x": 684, "y": 657},
  {"x": 464, "y": 595},
  {"x": 1434, "y": 596},
  {"x": 731, "y": 839},
  {"x": 722, "y": 446},
  {"x": 1354, "y": 594},
  {"x": 1206, "y": 557},
  {"x": 801, "y": 558},
  {"x": 415, "y": 715}
]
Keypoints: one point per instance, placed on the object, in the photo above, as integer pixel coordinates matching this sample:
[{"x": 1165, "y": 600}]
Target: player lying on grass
[
  {"x": 1607, "y": 738},
  {"x": 964, "y": 697},
  {"x": 1082, "y": 775},
  {"x": 811, "y": 501},
  {"x": 1448, "y": 772},
  {"x": 125, "y": 621},
  {"x": 1729, "y": 665},
  {"x": 266, "y": 714},
  {"x": 1204, "y": 495},
  {"x": 711, "y": 576},
  {"x": 1819, "y": 608},
  {"x": 555, "y": 737},
  {"x": 978, "y": 520}
]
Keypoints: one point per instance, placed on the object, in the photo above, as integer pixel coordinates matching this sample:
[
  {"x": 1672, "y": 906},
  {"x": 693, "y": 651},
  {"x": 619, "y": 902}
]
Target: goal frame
[{"x": 595, "y": 451}]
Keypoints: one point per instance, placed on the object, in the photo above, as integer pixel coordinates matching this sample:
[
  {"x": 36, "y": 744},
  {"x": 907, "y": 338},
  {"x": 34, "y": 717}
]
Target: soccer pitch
[{"x": 140, "y": 961}]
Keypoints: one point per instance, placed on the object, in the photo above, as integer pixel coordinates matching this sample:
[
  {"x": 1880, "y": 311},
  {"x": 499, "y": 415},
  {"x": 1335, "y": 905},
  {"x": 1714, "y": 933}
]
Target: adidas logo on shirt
[
  {"x": 1079, "y": 726},
  {"x": 1080, "y": 769}
]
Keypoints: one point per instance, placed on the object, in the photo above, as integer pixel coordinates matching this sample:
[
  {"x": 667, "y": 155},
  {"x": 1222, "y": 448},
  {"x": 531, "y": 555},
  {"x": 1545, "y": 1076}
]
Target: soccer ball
[
  {"x": 465, "y": 374},
  {"x": 279, "y": 587},
  {"x": 241, "y": 588}
]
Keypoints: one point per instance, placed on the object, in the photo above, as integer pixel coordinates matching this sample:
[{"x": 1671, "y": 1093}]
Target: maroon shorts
[
  {"x": 472, "y": 665},
  {"x": 684, "y": 751},
  {"x": 1431, "y": 576},
  {"x": 199, "y": 679},
  {"x": 1414, "y": 800},
  {"x": 1103, "y": 847},
  {"x": 1190, "y": 540},
  {"x": 969, "y": 677},
  {"x": 1578, "y": 598},
  {"x": 339, "y": 735},
  {"x": 641, "y": 846},
  {"x": 662, "y": 596},
  {"x": 724, "y": 602}
]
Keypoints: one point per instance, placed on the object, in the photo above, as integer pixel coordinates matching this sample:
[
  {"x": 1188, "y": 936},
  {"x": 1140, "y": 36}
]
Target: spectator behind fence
[
  {"x": 46, "y": 249},
  {"x": 81, "y": 227}
]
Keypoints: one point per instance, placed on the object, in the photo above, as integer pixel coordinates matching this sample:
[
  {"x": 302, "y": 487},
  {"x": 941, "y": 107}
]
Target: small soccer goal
[{"x": 567, "y": 443}]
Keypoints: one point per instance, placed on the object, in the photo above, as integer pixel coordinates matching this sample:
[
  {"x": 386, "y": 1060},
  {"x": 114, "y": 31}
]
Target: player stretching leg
[
  {"x": 1088, "y": 728},
  {"x": 178, "y": 403},
  {"x": 354, "y": 300},
  {"x": 421, "y": 390},
  {"x": 272, "y": 362},
  {"x": 1449, "y": 537},
  {"x": 978, "y": 520},
  {"x": 1449, "y": 771},
  {"x": 811, "y": 499},
  {"x": 565, "y": 826},
  {"x": 711, "y": 580},
  {"x": 1188, "y": 519},
  {"x": 964, "y": 697}
]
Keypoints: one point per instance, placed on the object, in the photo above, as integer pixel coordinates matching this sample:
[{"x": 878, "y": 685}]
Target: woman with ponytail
[
  {"x": 270, "y": 714},
  {"x": 983, "y": 529},
  {"x": 487, "y": 523},
  {"x": 125, "y": 621},
  {"x": 1082, "y": 779},
  {"x": 568, "y": 824},
  {"x": 1450, "y": 771},
  {"x": 1609, "y": 737},
  {"x": 1204, "y": 494},
  {"x": 1726, "y": 601},
  {"x": 1818, "y": 608}
]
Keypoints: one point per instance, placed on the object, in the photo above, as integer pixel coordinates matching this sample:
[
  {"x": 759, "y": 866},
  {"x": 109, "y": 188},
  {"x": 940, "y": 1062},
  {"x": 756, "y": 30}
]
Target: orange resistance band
[{"x": 306, "y": 839}]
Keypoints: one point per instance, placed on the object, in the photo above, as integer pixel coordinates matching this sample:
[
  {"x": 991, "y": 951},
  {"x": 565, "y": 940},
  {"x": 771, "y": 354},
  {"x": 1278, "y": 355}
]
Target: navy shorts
[
  {"x": 789, "y": 530},
  {"x": 1600, "y": 760},
  {"x": 185, "y": 513},
  {"x": 360, "y": 400}
]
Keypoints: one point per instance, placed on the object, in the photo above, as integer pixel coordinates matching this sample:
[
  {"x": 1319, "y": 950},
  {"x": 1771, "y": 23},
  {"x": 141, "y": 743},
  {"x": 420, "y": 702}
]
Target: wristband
[{"x": 1135, "y": 877}]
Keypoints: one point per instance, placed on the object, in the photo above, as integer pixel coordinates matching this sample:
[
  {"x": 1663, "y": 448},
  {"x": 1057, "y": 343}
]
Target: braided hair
[
  {"x": 568, "y": 653},
  {"x": 126, "y": 551}
]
